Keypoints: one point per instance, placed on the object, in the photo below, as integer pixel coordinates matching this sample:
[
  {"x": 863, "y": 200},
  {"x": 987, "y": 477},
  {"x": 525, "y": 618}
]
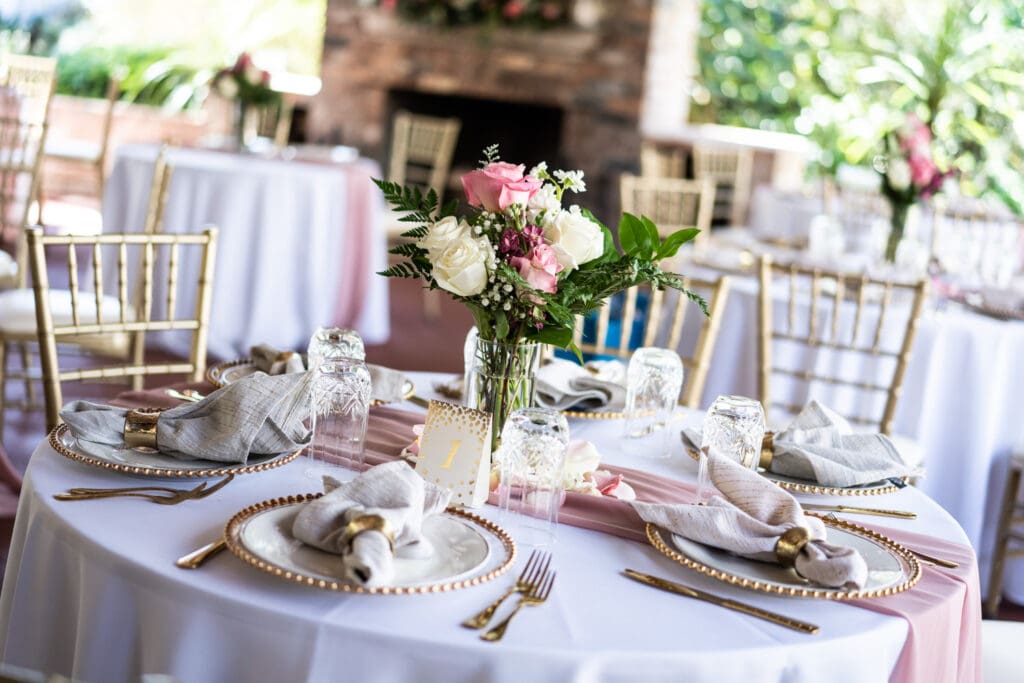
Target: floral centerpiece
[
  {"x": 533, "y": 13},
  {"x": 910, "y": 173},
  {"x": 525, "y": 266},
  {"x": 249, "y": 87}
]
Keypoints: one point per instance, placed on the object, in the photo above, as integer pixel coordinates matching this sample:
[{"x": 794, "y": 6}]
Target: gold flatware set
[
  {"x": 853, "y": 510},
  {"x": 534, "y": 586},
  {"x": 197, "y": 557},
  {"x": 162, "y": 495}
]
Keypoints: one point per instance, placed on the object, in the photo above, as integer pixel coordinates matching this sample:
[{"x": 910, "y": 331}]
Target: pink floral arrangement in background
[
  {"x": 245, "y": 82},
  {"x": 533, "y": 13},
  {"x": 909, "y": 167},
  {"x": 523, "y": 262}
]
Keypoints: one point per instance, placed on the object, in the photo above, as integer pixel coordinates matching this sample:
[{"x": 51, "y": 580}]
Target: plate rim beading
[
  {"x": 655, "y": 538},
  {"x": 232, "y": 534},
  {"x": 55, "y": 443}
]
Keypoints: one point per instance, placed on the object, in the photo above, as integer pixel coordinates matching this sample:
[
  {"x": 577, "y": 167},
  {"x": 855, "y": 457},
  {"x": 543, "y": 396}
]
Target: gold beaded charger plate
[
  {"x": 226, "y": 372},
  {"x": 468, "y": 550},
  {"x": 891, "y": 567},
  {"x": 805, "y": 486},
  {"x": 148, "y": 463}
]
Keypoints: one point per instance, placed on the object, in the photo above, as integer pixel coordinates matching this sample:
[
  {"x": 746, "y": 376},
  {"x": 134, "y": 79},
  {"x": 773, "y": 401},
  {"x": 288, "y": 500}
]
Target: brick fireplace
[{"x": 576, "y": 96}]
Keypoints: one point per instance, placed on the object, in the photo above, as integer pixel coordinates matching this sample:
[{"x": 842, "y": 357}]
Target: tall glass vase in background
[
  {"x": 245, "y": 124},
  {"x": 500, "y": 380},
  {"x": 897, "y": 227}
]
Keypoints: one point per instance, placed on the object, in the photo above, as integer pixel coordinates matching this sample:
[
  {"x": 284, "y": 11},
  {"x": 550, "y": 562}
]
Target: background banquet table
[
  {"x": 960, "y": 404},
  {"x": 298, "y": 248},
  {"x": 115, "y": 605}
]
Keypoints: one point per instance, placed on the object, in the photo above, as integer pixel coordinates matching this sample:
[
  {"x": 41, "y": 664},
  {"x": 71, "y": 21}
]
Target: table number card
[{"x": 455, "y": 451}]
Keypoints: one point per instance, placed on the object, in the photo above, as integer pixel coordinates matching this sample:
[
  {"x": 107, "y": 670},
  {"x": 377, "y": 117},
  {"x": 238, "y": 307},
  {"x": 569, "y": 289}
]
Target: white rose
[
  {"x": 443, "y": 234},
  {"x": 253, "y": 74},
  {"x": 227, "y": 87},
  {"x": 543, "y": 200},
  {"x": 574, "y": 238},
  {"x": 462, "y": 268},
  {"x": 899, "y": 174}
]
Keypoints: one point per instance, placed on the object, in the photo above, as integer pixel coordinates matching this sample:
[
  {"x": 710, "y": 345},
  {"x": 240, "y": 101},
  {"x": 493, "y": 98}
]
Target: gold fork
[
  {"x": 535, "y": 567},
  {"x": 176, "y": 495},
  {"x": 537, "y": 594}
]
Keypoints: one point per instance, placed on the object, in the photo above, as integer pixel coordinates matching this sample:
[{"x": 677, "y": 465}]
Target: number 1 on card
[{"x": 451, "y": 454}]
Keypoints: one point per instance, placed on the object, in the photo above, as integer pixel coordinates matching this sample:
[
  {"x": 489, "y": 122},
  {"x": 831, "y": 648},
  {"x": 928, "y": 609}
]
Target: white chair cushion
[
  {"x": 18, "y": 310},
  {"x": 1002, "y": 655},
  {"x": 8, "y": 270},
  {"x": 74, "y": 150}
]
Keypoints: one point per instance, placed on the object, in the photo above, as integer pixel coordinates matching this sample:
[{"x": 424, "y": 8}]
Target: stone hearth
[{"x": 595, "y": 84}]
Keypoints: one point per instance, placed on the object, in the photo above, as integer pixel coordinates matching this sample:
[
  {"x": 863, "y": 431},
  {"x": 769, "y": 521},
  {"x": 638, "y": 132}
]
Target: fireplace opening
[{"x": 526, "y": 133}]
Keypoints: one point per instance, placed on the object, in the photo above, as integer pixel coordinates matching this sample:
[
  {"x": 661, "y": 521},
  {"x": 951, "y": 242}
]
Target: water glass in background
[
  {"x": 339, "y": 397},
  {"x": 531, "y": 463},
  {"x": 654, "y": 381},
  {"x": 826, "y": 240},
  {"x": 734, "y": 427},
  {"x": 332, "y": 343}
]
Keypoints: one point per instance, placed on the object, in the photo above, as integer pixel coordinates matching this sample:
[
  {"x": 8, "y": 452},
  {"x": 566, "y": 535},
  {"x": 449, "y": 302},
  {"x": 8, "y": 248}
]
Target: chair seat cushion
[{"x": 73, "y": 150}]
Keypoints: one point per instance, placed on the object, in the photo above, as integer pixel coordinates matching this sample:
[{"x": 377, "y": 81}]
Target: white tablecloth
[
  {"x": 297, "y": 241},
  {"x": 961, "y": 403},
  {"x": 92, "y": 592}
]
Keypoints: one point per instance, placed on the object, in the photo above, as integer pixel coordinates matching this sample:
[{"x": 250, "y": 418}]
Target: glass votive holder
[
  {"x": 329, "y": 343},
  {"x": 531, "y": 465},
  {"x": 340, "y": 408},
  {"x": 734, "y": 427},
  {"x": 654, "y": 381}
]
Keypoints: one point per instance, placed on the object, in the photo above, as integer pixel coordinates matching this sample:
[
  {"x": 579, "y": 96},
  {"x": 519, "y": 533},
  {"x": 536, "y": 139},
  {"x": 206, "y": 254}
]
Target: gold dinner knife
[
  {"x": 680, "y": 589},
  {"x": 201, "y": 555},
  {"x": 902, "y": 514}
]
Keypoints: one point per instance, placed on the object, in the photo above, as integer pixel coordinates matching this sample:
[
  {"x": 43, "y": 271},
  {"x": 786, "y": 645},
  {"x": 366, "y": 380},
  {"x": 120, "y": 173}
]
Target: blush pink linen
[
  {"x": 943, "y": 608},
  {"x": 355, "y": 263}
]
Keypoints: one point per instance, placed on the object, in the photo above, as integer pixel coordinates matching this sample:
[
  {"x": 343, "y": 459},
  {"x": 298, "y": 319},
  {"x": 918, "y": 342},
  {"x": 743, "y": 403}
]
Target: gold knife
[
  {"x": 201, "y": 555},
  {"x": 680, "y": 589},
  {"x": 902, "y": 514}
]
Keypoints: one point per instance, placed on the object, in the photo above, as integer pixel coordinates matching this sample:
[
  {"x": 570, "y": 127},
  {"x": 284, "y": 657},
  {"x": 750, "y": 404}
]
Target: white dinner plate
[
  {"x": 149, "y": 463},
  {"x": 467, "y": 550},
  {"x": 891, "y": 567}
]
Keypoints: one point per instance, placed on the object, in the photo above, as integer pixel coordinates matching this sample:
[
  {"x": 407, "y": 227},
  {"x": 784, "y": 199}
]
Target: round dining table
[
  {"x": 92, "y": 592},
  {"x": 299, "y": 242}
]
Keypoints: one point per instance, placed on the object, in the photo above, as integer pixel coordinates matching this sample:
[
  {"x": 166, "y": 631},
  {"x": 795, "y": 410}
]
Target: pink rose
[
  {"x": 499, "y": 185},
  {"x": 414, "y": 447},
  {"x": 611, "y": 485},
  {"x": 922, "y": 170},
  {"x": 539, "y": 268}
]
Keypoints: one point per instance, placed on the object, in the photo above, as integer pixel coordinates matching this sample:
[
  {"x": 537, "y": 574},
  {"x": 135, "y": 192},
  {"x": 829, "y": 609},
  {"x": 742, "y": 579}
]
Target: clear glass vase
[
  {"x": 898, "y": 223},
  {"x": 500, "y": 379}
]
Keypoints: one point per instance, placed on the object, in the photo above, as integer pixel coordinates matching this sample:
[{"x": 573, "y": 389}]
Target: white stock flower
[
  {"x": 462, "y": 268},
  {"x": 227, "y": 87},
  {"x": 542, "y": 166},
  {"x": 443, "y": 234},
  {"x": 572, "y": 180},
  {"x": 253, "y": 74},
  {"x": 899, "y": 173},
  {"x": 543, "y": 200},
  {"x": 574, "y": 238}
]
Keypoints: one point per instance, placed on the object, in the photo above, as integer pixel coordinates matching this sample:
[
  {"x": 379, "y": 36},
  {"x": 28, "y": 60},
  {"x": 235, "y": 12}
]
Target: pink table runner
[{"x": 943, "y": 608}]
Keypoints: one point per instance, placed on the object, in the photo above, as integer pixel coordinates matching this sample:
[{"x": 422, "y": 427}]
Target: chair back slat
[
  {"x": 33, "y": 79},
  {"x": 731, "y": 169},
  {"x": 662, "y": 161},
  {"x": 53, "y": 328},
  {"x": 73, "y": 283},
  {"x": 661, "y": 329},
  {"x": 422, "y": 149},
  {"x": 672, "y": 203},
  {"x": 21, "y": 149},
  {"x": 834, "y": 303},
  {"x": 172, "y": 280}
]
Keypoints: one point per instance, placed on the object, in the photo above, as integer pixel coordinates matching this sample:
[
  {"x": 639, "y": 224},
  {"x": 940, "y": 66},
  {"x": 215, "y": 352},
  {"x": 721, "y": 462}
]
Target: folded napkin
[
  {"x": 563, "y": 384},
  {"x": 820, "y": 446},
  {"x": 749, "y": 519},
  {"x": 392, "y": 490},
  {"x": 273, "y": 361},
  {"x": 388, "y": 386},
  {"x": 259, "y": 415}
]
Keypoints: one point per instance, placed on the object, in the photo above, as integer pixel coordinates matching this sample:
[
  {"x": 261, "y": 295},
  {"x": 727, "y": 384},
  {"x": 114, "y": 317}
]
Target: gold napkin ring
[
  {"x": 140, "y": 429},
  {"x": 767, "y": 450},
  {"x": 790, "y": 544},
  {"x": 364, "y": 523}
]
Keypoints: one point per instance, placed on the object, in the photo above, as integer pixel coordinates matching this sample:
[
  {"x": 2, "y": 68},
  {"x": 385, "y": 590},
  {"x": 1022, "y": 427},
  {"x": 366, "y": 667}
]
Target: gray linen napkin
[
  {"x": 750, "y": 519},
  {"x": 392, "y": 490},
  {"x": 820, "y": 446},
  {"x": 563, "y": 384},
  {"x": 387, "y": 385},
  {"x": 258, "y": 415}
]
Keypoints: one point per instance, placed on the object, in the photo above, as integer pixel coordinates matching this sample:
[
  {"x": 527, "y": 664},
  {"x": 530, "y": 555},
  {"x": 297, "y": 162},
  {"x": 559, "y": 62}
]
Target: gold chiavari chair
[
  {"x": 731, "y": 170},
  {"x": 1010, "y": 530},
  {"x": 94, "y": 314},
  {"x": 976, "y": 240},
  {"x": 33, "y": 80},
  {"x": 866, "y": 323},
  {"x": 421, "y": 155},
  {"x": 274, "y": 121},
  {"x": 88, "y": 152},
  {"x": 672, "y": 203},
  {"x": 663, "y": 326},
  {"x": 662, "y": 161},
  {"x": 18, "y": 314}
]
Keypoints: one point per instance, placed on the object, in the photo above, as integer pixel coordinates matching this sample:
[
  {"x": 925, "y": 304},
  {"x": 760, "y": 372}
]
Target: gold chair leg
[
  {"x": 995, "y": 581},
  {"x": 26, "y": 364},
  {"x": 3, "y": 386}
]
